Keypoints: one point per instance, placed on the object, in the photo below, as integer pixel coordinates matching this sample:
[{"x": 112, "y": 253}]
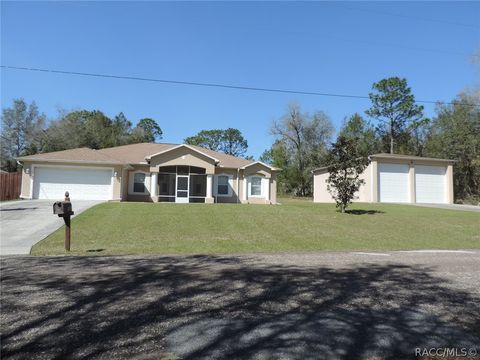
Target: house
[
  {"x": 148, "y": 172},
  {"x": 394, "y": 178}
]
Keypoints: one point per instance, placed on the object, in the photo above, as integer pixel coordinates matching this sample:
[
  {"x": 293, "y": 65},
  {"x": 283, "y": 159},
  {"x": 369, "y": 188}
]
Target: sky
[{"x": 327, "y": 47}]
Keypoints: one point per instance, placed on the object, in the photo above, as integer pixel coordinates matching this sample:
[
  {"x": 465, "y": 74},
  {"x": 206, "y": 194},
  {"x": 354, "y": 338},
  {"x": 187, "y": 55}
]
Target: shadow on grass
[
  {"x": 363, "y": 212},
  {"x": 217, "y": 307},
  {"x": 95, "y": 250}
]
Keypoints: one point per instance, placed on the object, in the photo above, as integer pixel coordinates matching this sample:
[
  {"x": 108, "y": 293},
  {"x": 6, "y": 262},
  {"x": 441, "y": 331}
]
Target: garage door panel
[
  {"x": 431, "y": 184},
  {"x": 83, "y": 184},
  {"x": 393, "y": 183}
]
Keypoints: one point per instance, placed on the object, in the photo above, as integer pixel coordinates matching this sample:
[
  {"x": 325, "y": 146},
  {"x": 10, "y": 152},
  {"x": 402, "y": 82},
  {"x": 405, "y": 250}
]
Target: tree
[
  {"x": 208, "y": 139},
  {"x": 346, "y": 165},
  {"x": 455, "y": 134},
  {"x": 147, "y": 130},
  {"x": 305, "y": 138},
  {"x": 80, "y": 128},
  {"x": 229, "y": 141},
  {"x": 121, "y": 130},
  {"x": 22, "y": 127},
  {"x": 364, "y": 134},
  {"x": 233, "y": 142},
  {"x": 98, "y": 128},
  {"x": 393, "y": 104}
]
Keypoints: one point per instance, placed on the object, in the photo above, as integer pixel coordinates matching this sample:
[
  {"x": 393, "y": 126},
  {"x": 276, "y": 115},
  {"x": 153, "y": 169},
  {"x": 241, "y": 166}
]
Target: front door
[{"x": 182, "y": 189}]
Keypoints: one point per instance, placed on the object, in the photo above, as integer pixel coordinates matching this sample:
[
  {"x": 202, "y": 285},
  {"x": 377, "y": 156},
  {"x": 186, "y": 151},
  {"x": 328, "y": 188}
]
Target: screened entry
[{"x": 182, "y": 184}]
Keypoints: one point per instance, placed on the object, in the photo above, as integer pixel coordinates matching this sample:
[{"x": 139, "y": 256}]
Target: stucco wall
[
  {"x": 235, "y": 191},
  {"x": 183, "y": 156},
  {"x": 321, "y": 194}
]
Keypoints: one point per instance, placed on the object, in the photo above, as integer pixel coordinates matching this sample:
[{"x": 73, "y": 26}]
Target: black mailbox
[{"x": 62, "y": 208}]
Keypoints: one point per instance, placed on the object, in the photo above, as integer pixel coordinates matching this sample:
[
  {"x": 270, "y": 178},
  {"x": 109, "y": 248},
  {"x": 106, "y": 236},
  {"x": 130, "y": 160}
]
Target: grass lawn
[{"x": 296, "y": 225}]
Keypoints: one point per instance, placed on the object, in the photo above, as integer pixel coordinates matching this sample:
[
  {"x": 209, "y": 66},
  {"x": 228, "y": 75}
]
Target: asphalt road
[
  {"x": 285, "y": 306},
  {"x": 23, "y": 223}
]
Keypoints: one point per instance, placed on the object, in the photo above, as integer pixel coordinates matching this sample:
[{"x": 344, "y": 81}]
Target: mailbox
[{"x": 62, "y": 208}]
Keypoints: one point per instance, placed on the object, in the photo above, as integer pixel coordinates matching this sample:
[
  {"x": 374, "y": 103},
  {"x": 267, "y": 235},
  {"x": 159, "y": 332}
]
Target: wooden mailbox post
[{"x": 64, "y": 209}]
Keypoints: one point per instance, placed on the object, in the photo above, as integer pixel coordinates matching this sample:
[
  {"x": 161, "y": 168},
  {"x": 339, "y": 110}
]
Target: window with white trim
[
  {"x": 255, "y": 186},
  {"x": 139, "y": 183},
  {"x": 223, "y": 185}
]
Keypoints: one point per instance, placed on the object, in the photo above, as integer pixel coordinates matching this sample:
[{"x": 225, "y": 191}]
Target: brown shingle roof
[
  {"x": 128, "y": 154},
  {"x": 73, "y": 155}
]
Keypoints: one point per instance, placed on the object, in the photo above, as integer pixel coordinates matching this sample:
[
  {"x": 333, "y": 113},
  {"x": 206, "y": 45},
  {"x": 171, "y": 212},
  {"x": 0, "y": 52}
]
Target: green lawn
[{"x": 296, "y": 225}]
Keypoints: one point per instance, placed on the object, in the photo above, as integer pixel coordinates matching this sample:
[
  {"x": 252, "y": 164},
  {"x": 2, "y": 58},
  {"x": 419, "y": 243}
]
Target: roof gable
[{"x": 179, "y": 147}]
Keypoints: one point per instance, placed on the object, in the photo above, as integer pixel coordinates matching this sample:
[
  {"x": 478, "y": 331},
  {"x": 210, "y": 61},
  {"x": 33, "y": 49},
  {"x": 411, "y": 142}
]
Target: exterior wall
[
  {"x": 273, "y": 188},
  {"x": 182, "y": 156},
  {"x": 235, "y": 195},
  {"x": 26, "y": 192},
  {"x": 369, "y": 191},
  {"x": 121, "y": 183},
  {"x": 124, "y": 185},
  {"x": 449, "y": 175},
  {"x": 128, "y": 184},
  {"x": 265, "y": 173},
  {"x": 257, "y": 169},
  {"x": 321, "y": 194}
]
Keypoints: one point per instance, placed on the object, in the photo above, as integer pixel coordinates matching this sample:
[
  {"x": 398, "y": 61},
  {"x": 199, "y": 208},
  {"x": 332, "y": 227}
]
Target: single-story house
[
  {"x": 394, "y": 178},
  {"x": 148, "y": 172}
]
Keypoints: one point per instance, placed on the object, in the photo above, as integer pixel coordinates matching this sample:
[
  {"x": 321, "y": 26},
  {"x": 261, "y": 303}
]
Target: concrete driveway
[
  {"x": 460, "y": 207},
  {"x": 23, "y": 223}
]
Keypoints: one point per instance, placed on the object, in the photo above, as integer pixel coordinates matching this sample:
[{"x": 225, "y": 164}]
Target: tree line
[{"x": 26, "y": 131}]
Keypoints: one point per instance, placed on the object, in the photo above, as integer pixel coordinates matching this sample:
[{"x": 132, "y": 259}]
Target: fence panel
[{"x": 10, "y": 186}]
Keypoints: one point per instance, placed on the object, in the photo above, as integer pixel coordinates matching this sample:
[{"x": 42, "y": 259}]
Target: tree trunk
[{"x": 342, "y": 208}]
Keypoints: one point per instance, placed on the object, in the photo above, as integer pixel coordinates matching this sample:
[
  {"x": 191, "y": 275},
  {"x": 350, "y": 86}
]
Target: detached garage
[{"x": 394, "y": 178}]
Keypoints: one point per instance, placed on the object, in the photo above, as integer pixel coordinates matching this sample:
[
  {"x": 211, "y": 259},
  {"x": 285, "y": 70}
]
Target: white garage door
[
  {"x": 393, "y": 183},
  {"x": 81, "y": 183},
  {"x": 431, "y": 184}
]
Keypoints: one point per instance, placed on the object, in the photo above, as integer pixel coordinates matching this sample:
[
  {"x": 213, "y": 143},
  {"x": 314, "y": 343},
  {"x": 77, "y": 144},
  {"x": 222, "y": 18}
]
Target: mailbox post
[{"x": 64, "y": 209}]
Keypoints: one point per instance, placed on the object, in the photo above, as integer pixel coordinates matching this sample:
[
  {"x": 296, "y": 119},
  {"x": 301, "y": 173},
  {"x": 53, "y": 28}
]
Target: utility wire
[
  {"x": 447, "y": 22},
  {"x": 213, "y": 85}
]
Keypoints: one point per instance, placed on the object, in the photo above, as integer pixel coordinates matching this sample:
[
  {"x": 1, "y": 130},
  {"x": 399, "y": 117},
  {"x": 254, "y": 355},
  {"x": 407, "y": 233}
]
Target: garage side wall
[
  {"x": 321, "y": 194},
  {"x": 26, "y": 191}
]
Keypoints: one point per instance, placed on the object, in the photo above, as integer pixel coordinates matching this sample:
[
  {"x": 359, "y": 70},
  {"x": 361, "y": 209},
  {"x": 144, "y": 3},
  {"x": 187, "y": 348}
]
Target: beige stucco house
[
  {"x": 148, "y": 172},
  {"x": 397, "y": 179}
]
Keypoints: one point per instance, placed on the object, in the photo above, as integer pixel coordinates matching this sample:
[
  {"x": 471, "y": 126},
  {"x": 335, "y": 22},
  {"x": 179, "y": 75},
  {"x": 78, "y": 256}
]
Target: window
[
  {"x": 255, "y": 186},
  {"x": 139, "y": 183},
  {"x": 222, "y": 185}
]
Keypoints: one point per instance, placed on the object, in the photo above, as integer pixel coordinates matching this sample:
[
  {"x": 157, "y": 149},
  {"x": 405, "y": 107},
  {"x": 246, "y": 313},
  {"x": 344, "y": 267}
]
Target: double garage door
[
  {"x": 394, "y": 186},
  {"x": 81, "y": 183}
]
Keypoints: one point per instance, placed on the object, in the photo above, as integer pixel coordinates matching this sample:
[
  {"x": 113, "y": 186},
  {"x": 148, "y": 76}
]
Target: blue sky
[{"x": 329, "y": 47}]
